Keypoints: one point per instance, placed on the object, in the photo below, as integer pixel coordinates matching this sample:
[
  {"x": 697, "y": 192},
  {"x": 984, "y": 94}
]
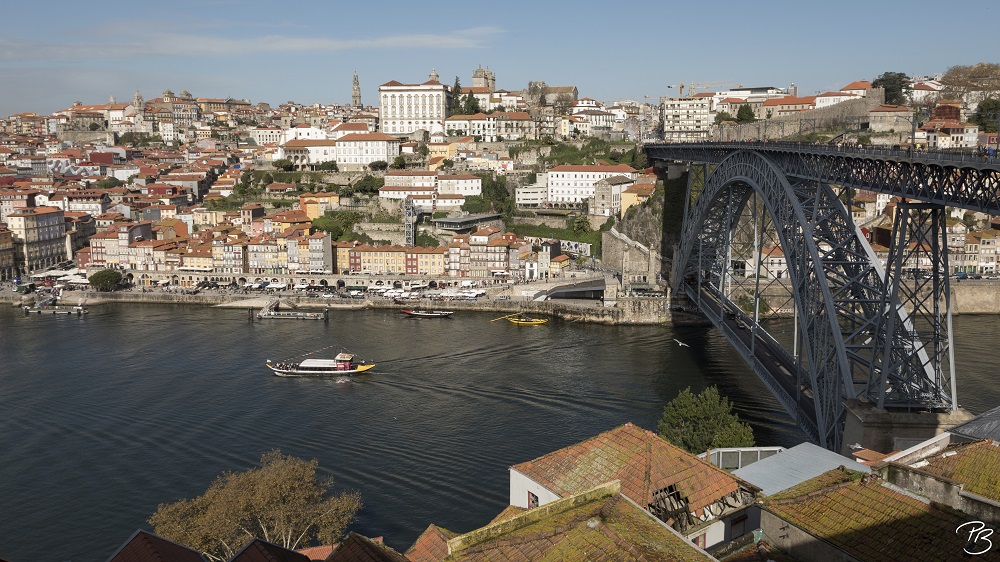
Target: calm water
[{"x": 108, "y": 415}]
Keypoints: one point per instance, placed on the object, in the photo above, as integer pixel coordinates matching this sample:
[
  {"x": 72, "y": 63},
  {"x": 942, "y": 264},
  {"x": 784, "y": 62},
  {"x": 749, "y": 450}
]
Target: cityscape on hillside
[{"x": 444, "y": 187}]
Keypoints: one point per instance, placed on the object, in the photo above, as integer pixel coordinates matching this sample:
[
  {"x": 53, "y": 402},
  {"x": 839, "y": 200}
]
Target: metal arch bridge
[{"x": 863, "y": 331}]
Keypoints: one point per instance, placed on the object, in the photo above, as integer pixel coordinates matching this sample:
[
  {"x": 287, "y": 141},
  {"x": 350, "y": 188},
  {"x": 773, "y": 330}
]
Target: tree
[
  {"x": 987, "y": 115},
  {"x": 698, "y": 422},
  {"x": 471, "y": 105},
  {"x": 456, "y": 101},
  {"x": 745, "y": 114},
  {"x": 283, "y": 502},
  {"x": 723, "y": 116},
  {"x": 105, "y": 280},
  {"x": 398, "y": 163},
  {"x": 378, "y": 165},
  {"x": 283, "y": 164},
  {"x": 972, "y": 84},
  {"x": 581, "y": 224},
  {"x": 894, "y": 83},
  {"x": 329, "y": 166}
]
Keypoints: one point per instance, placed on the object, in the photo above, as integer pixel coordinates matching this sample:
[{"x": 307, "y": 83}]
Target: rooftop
[{"x": 860, "y": 516}]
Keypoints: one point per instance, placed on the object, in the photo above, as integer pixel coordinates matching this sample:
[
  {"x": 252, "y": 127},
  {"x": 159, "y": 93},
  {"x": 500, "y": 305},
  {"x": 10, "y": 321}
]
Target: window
[
  {"x": 738, "y": 526},
  {"x": 532, "y": 500}
]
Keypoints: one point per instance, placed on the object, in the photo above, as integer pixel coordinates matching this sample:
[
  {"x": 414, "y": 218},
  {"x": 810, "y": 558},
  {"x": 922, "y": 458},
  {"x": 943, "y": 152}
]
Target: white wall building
[
  {"x": 574, "y": 184},
  {"x": 405, "y": 108},
  {"x": 686, "y": 119},
  {"x": 356, "y": 151}
]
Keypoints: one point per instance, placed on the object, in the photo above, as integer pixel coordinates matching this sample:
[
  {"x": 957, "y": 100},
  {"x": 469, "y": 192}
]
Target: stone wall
[
  {"x": 842, "y": 115},
  {"x": 637, "y": 263}
]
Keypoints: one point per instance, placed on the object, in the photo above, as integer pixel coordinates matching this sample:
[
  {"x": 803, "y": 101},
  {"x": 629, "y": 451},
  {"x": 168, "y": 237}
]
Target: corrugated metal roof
[
  {"x": 794, "y": 466},
  {"x": 983, "y": 426}
]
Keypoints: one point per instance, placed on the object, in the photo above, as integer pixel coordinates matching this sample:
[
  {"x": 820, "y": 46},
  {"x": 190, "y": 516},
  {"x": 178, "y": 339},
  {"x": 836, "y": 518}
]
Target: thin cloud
[{"x": 160, "y": 44}]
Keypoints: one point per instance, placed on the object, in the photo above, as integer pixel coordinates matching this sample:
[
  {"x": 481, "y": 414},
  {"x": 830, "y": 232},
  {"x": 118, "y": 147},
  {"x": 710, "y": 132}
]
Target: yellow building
[
  {"x": 636, "y": 195},
  {"x": 316, "y": 205}
]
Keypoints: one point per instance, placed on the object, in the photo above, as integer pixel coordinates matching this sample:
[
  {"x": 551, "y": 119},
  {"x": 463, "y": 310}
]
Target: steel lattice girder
[
  {"x": 952, "y": 180},
  {"x": 837, "y": 280}
]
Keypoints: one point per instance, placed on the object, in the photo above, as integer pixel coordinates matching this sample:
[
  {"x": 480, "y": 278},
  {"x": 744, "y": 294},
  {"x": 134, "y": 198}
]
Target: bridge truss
[{"x": 865, "y": 331}]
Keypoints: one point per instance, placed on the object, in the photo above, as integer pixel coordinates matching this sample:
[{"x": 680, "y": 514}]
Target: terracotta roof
[
  {"x": 604, "y": 529},
  {"x": 259, "y": 550},
  {"x": 859, "y": 85},
  {"x": 357, "y": 548},
  {"x": 304, "y": 143},
  {"x": 976, "y": 466},
  {"x": 642, "y": 460},
  {"x": 431, "y": 545},
  {"x": 368, "y": 137},
  {"x": 147, "y": 547},
  {"x": 861, "y": 517},
  {"x": 622, "y": 168}
]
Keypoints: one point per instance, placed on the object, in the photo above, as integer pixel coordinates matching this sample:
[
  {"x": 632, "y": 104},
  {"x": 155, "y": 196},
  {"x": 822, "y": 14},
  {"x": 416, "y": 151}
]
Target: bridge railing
[{"x": 888, "y": 152}]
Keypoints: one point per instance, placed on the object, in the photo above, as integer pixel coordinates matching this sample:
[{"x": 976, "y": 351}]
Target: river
[{"x": 107, "y": 415}]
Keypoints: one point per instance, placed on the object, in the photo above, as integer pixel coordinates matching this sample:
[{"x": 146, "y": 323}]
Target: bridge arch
[{"x": 831, "y": 269}]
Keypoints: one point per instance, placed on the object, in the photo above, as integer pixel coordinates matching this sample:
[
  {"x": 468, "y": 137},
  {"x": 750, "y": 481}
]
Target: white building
[
  {"x": 406, "y": 108},
  {"x": 266, "y": 135},
  {"x": 833, "y": 98},
  {"x": 574, "y": 184},
  {"x": 687, "y": 119},
  {"x": 354, "y": 152}
]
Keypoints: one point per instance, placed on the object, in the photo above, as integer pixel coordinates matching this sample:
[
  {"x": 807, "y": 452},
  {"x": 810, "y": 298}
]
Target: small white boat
[
  {"x": 427, "y": 313},
  {"x": 342, "y": 364}
]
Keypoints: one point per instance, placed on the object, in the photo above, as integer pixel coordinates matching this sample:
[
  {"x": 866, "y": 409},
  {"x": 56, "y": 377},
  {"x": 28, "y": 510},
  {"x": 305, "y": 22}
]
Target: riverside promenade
[{"x": 634, "y": 311}]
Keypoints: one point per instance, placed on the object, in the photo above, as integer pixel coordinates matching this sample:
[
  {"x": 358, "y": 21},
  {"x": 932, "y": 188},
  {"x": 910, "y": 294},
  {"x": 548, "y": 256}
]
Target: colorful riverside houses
[
  {"x": 848, "y": 515},
  {"x": 597, "y": 524},
  {"x": 704, "y": 503}
]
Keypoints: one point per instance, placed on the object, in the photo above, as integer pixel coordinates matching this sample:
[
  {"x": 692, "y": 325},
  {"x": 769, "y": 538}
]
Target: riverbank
[{"x": 635, "y": 311}]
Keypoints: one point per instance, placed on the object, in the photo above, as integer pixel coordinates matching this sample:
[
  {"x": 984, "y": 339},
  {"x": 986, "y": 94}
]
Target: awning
[
  {"x": 163, "y": 282},
  {"x": 277, "y": 286},
  {"x": 301, "y": 286}
]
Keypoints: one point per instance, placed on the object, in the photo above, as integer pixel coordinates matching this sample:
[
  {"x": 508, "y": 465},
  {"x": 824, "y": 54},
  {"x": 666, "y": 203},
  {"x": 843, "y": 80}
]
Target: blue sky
[{"x": 55, "y": 52}]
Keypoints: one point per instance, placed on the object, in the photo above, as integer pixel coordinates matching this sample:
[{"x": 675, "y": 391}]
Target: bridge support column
[{"x": 886, "y": 431}]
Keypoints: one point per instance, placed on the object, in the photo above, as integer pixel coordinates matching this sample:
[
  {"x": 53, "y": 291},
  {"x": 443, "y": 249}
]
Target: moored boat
[
  {"x": 426, "y": 313},
  {"x": 342, "y": 364},
  {"x": 521, "y": 319}
]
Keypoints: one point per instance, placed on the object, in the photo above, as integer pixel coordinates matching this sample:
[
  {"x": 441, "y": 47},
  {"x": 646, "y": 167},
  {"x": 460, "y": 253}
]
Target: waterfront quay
[{"x": 501, "y": 297}]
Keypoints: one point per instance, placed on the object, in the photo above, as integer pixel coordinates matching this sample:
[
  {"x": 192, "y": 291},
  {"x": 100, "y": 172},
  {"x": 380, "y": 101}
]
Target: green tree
[
  {"x": 476, "y": 204},
  {"x": 471, "y": 104},
  {"x": 378, "y": 165},
  {"x": 455, "y": 108},
  {"x": 108, "y": 183},
  {"x": 283, "y": 164},
  {"x": 423, "y": 150},
  {"x": 987, "y": 114},
  {"x": 368, "y": 185},
  {"x": 447, "y": 163},
  {"x": 398, "y": 163},
  {"x": 337, "y": 223},
  {"x": 745, "y": 114},
  {"x": 698, "y": 422},
  {"x": 283, "y": 502},
  {"x": 581, "y": 224},
  {"x": 330, "y": 166},
  {"x": 105, "y": 280},
  {"x": 894, "y": 83},
  {"x": 723, "y": 116}
]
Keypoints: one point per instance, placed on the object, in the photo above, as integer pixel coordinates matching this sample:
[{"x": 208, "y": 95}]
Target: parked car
[{"x": 961, "y": 275}]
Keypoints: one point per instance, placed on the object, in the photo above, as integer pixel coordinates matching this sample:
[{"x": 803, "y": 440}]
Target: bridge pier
[{"x": 886, "y": 431}]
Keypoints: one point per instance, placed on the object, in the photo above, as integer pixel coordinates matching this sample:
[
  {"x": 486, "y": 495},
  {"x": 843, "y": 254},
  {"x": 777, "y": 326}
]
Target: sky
[{"x": 56, "y": 52}]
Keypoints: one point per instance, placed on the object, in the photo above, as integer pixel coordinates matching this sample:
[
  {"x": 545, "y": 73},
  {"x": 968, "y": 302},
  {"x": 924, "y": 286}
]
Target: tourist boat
[
  {"x": 521, "y": 319},
  {"x": 426, "y": 313},
  {"x": 342, "y": 364}
]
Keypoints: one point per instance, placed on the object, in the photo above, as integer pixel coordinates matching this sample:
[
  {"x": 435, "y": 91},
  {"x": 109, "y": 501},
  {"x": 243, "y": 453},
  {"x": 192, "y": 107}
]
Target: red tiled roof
[
  {"x": 147, "y": 547},
  {"x": 259, "y": 550},
  {"x": 605, "y": 529},
  {"x": 623, "y": 168},
  {"x": 357, "y": 548},
  {"x": 976, "y": 466},
  {"x": 431, "y": 545},
  {"x": 858, "y": 515},
  {"x": 858, "y": 85},
  {"x": 643, "y": 461}
]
